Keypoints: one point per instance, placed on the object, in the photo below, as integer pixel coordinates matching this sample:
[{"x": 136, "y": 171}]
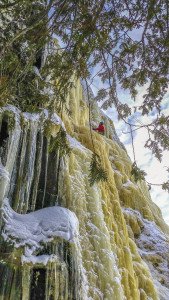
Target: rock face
[{"x": 122, "y": 248}]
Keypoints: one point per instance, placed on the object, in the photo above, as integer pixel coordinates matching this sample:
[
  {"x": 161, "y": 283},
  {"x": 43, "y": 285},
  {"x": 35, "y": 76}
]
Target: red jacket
[{"x": 100, "y": 128}]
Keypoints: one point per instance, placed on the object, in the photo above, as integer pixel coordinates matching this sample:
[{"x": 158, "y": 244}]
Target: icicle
[
  {"x": 14, "y": 138},
  {"x": 31, "y": 158},
  {"x": 37, "y": 171},
  {"x": 19, "y": 190},
  {"x": 4, "y": 179},
  {"x": 26, "y": 167},
  {"x": 81, "y": 290},
  {"x": 25, "y": 282},
  {"x": 46, "y": 170}
]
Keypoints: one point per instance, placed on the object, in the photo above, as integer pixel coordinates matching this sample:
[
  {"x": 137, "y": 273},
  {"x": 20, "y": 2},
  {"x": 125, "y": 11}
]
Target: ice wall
[
  {"x": 109, "y": 259},
  {"x": 39, "y": 245}
]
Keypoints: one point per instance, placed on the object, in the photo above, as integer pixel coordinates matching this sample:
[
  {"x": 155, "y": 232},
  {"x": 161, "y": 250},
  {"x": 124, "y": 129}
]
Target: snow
[
  {"x": 75, "y": 144},
  {"x": 54, "y": 118},
  {"x": 46, "y": 113},
  {"x": 57, "y": 120},
  {"x": 31, "y": 116},
  {"x": 129, "y": 183},
  {"x": 153, "y": 247},
  {"x": 41, "y": 259},
  {"x": 12, "y": 108},
  {"x": 36, "y": 70},
  {"x": 34, "y": 229},
  {"x": 117, "y": 172}
]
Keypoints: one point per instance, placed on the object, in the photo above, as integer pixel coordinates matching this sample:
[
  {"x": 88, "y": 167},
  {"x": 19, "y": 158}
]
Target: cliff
[{"x": 62, "y": 238}]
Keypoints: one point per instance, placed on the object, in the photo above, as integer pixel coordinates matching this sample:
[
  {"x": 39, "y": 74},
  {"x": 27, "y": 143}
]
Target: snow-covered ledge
[{"x": 35, "y": 229}]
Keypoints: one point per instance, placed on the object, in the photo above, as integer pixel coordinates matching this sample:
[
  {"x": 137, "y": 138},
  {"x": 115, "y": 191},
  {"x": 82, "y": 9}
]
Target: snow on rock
[
  {"x": 11, "y": 108},
  {"x": 129, "y": 183},
  {"x": 34, "y": 229},
  {"x": 75, "y": 144},
  {"x": 153, "y": 247},
  {"x": 45, "y": 113},
  {"x": 40, "y": 259},
  {"x": 31, "y": 116},
  {"x": 54, "y": 118},
  {"x": 57, "y": 120}
]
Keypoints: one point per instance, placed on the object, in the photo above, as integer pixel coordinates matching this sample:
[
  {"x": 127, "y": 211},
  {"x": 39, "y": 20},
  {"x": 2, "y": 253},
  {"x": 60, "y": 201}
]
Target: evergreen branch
[{"x": 97, "y": 173}]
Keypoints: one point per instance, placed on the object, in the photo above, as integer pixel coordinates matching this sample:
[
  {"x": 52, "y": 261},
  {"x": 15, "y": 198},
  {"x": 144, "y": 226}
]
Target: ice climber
[{"x": 100, "y": 128}]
